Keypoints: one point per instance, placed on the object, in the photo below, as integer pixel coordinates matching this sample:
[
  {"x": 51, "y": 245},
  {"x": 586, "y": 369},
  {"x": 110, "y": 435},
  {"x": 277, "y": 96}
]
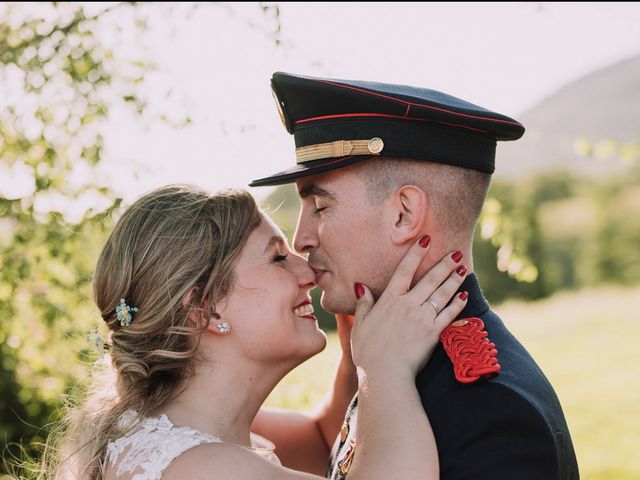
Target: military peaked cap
[{"x": 336, "y": 123}]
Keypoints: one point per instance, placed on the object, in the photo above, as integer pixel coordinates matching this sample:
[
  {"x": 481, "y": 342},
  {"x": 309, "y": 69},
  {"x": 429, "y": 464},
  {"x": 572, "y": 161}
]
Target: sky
[{"x": 219, "y": 60}]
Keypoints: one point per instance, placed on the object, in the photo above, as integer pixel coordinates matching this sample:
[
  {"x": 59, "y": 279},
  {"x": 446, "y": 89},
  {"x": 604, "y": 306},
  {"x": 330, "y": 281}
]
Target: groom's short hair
[{"x": 455, "y": 195}]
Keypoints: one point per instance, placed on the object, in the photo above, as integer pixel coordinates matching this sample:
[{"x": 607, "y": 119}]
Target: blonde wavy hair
[{"x": 172, "y": 241}]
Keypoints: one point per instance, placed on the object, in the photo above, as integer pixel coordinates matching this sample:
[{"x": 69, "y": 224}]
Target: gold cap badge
[{"x": 375, "y": 145}]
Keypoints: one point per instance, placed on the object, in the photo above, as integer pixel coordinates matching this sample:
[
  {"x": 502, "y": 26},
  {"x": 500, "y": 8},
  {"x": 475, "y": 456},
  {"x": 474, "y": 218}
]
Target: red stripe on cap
[
  {"x": 351, "y": 115},
  {"x": 416, "y": 104},
  {"x": 330, "y": 163}
]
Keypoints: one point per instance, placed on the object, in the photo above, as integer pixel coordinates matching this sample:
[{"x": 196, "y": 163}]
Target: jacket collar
[{"x": 477, "y": 304}]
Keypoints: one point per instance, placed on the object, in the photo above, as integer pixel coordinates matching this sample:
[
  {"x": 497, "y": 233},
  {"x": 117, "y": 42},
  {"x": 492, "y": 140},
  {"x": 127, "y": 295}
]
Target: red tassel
[{"x": 467, "y": 344}]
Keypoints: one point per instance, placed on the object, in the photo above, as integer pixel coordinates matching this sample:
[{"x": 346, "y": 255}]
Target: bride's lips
[
  {"x": 306, "y": 301},
  {"x": 304, "y": 310}
]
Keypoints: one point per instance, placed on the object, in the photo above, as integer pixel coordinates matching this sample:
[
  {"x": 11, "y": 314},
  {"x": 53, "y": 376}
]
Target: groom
[{"x": 378, "y": 166}]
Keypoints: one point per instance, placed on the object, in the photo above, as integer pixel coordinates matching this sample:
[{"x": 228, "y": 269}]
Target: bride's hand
[{"x": 400, "y": 331}]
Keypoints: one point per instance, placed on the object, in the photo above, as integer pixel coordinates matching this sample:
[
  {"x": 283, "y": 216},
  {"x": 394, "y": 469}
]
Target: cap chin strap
[{"x": 339, "y": 148}]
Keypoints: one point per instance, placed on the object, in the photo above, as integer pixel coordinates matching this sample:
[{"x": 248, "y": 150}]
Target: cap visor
[{"x": 310, "y": 168}]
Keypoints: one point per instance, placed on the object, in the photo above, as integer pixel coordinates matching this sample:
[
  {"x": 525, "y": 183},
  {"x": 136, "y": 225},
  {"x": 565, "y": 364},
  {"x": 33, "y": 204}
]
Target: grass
[{"x": 586, "y": 342}]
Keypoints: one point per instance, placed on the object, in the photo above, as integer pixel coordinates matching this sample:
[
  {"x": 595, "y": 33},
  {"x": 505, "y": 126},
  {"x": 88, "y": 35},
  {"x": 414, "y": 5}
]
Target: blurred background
[{"x": 100, "y": 102}]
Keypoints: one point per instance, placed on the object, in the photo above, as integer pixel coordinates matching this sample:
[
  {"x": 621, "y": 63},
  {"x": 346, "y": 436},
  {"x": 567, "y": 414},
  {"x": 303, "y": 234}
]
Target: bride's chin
[
  {"x": 318, "y": 345},
  {"x": 323, "y": 344}
]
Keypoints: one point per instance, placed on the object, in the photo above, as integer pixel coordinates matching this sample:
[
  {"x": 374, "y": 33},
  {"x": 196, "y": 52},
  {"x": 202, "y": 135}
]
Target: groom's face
[{"x": 345, "y": 236}]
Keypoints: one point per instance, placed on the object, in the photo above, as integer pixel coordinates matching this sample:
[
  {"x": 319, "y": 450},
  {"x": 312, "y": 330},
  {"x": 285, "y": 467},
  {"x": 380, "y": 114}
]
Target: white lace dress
[{"x": 156, "y": 442}]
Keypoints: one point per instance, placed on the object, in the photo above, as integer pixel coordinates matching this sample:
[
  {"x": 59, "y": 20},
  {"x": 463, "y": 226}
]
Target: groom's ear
[{"x": 410, "y": 214}]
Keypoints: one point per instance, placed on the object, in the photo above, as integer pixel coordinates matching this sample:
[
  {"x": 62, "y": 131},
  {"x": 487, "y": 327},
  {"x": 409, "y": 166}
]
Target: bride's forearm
[
  {"x": 330, "y": 413},
  {"x": 391, "y": 415}
]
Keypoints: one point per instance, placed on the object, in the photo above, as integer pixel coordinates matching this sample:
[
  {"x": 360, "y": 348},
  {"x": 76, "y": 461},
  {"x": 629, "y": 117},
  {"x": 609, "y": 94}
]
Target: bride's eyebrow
[
  {"x": 274, "y": 240},
  {"x": 314, "y": 190}
]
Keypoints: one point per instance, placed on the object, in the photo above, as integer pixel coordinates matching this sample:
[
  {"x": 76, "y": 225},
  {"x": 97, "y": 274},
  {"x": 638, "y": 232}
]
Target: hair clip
[{"x": 125, "y": 313}]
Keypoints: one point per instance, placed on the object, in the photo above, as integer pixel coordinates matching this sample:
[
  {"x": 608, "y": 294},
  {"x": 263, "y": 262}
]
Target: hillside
[{"x": 602, "y": 104}]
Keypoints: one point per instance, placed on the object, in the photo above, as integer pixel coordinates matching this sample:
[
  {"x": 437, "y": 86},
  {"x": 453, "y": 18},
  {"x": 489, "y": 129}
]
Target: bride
[{"x": 208, "y": 309}]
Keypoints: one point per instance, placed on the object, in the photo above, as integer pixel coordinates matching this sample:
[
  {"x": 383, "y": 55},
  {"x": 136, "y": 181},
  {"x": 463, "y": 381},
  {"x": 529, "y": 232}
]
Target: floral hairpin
[{"x": 125, "y": 313}]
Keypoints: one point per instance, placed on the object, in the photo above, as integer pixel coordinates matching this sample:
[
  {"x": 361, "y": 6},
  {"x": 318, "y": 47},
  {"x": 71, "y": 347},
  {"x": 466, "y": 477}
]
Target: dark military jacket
[{"x": 510, "y": 426}]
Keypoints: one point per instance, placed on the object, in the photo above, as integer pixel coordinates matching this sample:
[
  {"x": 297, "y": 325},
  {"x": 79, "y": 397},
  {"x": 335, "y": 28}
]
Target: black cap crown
[{"x": 340, "y": 122}]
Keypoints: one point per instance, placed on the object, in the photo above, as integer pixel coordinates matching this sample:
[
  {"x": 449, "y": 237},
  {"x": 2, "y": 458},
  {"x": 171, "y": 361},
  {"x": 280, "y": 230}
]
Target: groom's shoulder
[
  {"x": 518, "y": 406},
  {"x": 519, "y": 376}
]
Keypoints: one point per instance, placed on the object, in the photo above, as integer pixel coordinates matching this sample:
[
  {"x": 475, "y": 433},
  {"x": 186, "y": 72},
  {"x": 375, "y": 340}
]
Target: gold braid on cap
[{"x": 339, "y": 148}]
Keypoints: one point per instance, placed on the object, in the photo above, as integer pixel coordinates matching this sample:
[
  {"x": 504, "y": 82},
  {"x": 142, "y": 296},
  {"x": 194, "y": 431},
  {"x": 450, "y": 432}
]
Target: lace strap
[{"x": 153, "y": 446}]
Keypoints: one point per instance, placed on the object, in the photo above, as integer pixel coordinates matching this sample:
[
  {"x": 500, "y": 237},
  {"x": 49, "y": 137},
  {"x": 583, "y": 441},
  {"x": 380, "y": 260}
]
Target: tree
[
  {"x": 59, "y": 80},
  {"x": 63, "y": 68}
]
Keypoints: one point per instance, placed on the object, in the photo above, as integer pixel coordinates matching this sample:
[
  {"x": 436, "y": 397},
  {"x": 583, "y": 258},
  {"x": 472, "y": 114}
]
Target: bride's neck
[{"x": 223, "y": 397}]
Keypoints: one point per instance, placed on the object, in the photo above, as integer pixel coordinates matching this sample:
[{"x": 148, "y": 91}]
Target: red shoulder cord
[{"x": 467, "y": 344}]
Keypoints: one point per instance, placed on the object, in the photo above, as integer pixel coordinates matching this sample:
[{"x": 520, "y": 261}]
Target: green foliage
[
  {"x": 55, "y": 210},
  {"x": 573, "y": 231},
  {"x": 64, "y": 68}
]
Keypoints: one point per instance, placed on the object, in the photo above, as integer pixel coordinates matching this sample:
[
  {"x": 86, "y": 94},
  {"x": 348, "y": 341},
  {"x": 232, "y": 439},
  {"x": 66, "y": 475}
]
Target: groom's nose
[{"x": 305, "y": 239}]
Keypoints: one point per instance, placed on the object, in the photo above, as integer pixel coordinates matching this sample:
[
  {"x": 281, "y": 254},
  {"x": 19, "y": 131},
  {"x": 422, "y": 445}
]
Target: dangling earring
[{"x": 223, "y": 327}]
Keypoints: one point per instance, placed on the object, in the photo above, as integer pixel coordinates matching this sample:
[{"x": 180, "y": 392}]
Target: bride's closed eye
[{"x": 280, "y": 258}]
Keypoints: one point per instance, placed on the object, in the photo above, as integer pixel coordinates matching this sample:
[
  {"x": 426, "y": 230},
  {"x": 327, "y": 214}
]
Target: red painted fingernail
[
  {"x": 425, "y": 241},
  {"x": 359, "y": 288},
  {"x": 461, "y": 270},
  {"x": 463, "y": 296},
  {"x": 457, "y": 256}
]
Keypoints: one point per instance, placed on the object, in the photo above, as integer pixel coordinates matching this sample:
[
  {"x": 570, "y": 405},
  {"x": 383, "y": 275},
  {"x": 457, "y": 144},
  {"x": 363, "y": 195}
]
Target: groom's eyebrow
[{"x": 314, "y": 190}]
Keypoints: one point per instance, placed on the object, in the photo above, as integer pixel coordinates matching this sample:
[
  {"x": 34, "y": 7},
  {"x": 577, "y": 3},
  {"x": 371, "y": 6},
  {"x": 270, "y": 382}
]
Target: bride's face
[{"x": 269, "y": 306}]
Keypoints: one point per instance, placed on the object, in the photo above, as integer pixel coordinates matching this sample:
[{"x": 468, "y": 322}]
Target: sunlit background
[{"x": 101, "y": 102}]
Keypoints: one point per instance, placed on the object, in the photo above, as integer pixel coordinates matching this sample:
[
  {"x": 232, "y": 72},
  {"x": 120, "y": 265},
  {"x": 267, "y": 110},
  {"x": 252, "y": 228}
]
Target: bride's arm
[{"x": 303, "y": 440}]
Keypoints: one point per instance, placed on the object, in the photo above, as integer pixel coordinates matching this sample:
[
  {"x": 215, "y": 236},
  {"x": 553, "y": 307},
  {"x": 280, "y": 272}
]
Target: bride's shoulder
[
  {"x": 218, "y": 460},
  {"x": 225, "y": 460}
]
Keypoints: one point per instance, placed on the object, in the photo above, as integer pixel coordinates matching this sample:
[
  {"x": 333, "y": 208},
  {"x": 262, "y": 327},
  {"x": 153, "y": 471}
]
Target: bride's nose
[{"x": 303, "y": 272}]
